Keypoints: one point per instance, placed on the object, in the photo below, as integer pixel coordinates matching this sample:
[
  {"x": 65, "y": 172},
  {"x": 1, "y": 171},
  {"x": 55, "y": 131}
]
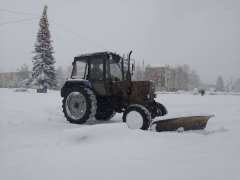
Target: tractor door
[
  {"x": 97, "y": 76},
  {"x": 115, "y": 74}
]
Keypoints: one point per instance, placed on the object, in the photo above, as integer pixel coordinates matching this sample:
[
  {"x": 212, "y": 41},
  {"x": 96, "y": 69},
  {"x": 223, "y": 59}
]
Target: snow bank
[
  {"x": 21, "y": 90},
  {"x": 224, "y": 93},
  {"x": 195, "y": 93},
  {"x": 36, "y": 142},
  {"x": 97, "y": 133}
]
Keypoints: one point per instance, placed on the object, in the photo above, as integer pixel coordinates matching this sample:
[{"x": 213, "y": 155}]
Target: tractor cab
[{"x": 100, "y": 69}]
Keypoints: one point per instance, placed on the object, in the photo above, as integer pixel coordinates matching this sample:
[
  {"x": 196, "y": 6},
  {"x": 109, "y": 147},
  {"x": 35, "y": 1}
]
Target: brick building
[{"x": 163, "y": 75}]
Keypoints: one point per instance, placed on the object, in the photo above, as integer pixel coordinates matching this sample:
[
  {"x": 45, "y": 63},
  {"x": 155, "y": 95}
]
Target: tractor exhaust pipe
[
  {"x": 129, "y": 55},
  {"x": 128, "y": 74}
]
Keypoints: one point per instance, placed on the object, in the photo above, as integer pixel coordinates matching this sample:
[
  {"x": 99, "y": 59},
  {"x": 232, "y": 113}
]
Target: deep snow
[{"x": 37, "y": 143}]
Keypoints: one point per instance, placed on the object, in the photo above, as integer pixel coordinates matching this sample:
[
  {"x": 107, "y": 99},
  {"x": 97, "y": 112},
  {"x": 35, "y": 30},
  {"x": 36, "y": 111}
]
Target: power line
[
  {"x": 17, "y": 12},
  {"x": 58, "y": 24},
  {"x": 17, "y": 21},
  {"x": 78, "y": 35},
  {"x": 63, "y": 43}
]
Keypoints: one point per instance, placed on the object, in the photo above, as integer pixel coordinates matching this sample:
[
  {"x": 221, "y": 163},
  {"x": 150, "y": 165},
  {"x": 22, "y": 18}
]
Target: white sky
[{"x": 204, "y": 34}]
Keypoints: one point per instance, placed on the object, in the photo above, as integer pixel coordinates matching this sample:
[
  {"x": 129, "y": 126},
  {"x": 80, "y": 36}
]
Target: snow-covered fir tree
[
  {"x": 236, "y": 85},
  {"x": 219, "y": 84},
  {"x": 43, "y": 71}
]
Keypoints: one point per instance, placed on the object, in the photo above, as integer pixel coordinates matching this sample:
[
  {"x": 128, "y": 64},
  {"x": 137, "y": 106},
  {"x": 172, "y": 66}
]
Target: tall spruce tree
[
  {"x": 219, "y": 84},
  {"x": 43, "y": 71}
]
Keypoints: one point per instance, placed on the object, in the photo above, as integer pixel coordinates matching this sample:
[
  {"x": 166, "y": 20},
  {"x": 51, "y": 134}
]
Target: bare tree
[
  {"x": 182, "y": 77},
  {"x": 138, "y": 73},
  {"x": 236, "y": 85},
  {"x": 194, "y": 80}
]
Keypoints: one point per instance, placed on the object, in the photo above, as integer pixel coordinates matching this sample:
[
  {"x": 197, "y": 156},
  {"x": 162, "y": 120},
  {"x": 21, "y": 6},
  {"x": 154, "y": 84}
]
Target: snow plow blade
[{"x": 180, "y": 124}]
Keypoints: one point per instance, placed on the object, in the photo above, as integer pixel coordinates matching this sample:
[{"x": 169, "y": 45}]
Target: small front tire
[{"x": 137, "y": 117}]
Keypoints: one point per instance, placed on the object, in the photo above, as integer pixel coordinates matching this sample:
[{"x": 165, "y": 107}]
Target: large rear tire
[
  {"x": 137, "y": 117},
  {"x": 79, "y": 105}
]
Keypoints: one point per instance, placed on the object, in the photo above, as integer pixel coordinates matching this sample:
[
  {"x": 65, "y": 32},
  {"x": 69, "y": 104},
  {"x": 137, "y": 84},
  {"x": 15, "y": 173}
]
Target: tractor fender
[{"x": 70, "y": 83}]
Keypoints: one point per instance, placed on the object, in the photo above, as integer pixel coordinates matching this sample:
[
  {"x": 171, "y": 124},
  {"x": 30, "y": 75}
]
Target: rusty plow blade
[{"x": 180, "y": 123}]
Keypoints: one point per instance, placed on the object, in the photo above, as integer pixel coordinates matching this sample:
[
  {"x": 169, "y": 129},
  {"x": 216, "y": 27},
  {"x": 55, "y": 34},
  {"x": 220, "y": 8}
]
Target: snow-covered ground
[{"x": 37, "y": 143}]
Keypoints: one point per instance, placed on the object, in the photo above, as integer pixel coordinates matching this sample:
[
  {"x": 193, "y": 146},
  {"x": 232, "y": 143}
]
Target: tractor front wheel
[{"x": 137, "y": 117}]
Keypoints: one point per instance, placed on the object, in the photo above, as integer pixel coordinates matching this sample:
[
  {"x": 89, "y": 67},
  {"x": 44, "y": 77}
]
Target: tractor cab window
[
  {"x": 79, "y": 70},
  {"x": 114, "y": 70},
  {"x": 96, "y": 67}
]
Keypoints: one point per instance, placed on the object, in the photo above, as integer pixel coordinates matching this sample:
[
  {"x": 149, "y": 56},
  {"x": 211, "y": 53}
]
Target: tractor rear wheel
[
  {"x": 79, "y": 105},
  {"x": 137, "y": 117},
  {"x": 104, "y": 114}
]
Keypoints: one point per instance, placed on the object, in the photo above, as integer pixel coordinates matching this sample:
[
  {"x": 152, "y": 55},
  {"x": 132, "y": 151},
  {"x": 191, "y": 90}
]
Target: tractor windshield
[
  {"x": 79, "y": 69},
  {"x": 114, "y": 70}
]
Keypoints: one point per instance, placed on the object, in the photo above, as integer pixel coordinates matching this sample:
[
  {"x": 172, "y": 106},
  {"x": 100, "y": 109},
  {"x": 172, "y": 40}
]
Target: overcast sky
[{"x": 205, "y": 34}]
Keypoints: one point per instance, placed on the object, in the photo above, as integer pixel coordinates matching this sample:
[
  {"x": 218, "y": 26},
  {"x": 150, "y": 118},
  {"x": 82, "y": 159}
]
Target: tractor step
[{"x": 180, "y": 123}]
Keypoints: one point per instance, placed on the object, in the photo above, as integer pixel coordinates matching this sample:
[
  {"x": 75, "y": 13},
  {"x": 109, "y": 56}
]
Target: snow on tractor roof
[{"x": 96, "y": 55}]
